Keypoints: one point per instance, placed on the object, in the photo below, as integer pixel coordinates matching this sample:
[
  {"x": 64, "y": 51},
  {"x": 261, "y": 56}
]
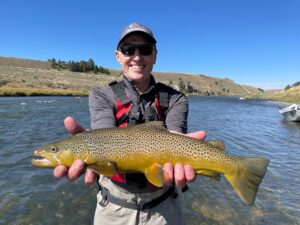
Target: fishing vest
[{"x": 128, "y": 113}]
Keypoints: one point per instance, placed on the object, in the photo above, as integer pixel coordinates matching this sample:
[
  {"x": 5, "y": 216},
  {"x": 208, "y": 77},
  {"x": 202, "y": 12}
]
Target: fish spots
[{"x": 145, "y": 143}]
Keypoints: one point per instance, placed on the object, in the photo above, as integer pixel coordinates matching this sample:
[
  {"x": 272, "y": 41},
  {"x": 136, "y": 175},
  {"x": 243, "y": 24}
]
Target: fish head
[{"x": 54, "y": 154}]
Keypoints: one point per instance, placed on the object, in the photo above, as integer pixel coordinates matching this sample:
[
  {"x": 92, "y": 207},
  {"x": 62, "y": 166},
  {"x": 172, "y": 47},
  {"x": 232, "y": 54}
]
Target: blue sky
[{"x": 255, "y": 42}]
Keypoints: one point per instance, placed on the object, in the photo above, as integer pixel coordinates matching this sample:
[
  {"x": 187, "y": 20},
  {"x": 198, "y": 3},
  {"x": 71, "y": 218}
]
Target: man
[{"x": 129, "y": 198}]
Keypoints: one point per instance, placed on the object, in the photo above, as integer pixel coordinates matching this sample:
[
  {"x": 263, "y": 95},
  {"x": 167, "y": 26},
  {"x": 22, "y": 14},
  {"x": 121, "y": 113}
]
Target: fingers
[
  {"x": 179, "y": 174},
  {"x": 75, "y": 171},
  {"x": 90, "y": 177},
  {"x": 60, "y": 171},
  {"x": 198, "y": 134},
  {"x": 77, "y": 168},
  {"x": 168, "y": 174},
  {"x": 72, "y": 126},
  {"x": 189, "y": 173}
]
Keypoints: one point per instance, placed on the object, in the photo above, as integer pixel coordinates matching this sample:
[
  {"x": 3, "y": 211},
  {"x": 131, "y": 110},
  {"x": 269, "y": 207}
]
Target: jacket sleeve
[
  {"x": 101, "y": 108},
  {"x": 177, "y": 114}
]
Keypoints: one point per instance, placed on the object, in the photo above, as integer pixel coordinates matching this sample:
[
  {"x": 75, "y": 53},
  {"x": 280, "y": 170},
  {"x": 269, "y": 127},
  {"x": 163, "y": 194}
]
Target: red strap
[
  {"x": 159, "y": 110},
  {"x": 119, "y": 177},
  {"x": 125, "y": 109},
  {"x": 121, "y": 110}
]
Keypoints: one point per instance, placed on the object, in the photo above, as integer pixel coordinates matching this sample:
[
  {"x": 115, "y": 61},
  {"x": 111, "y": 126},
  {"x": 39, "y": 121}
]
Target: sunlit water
[{"x": 249, "y": 128}]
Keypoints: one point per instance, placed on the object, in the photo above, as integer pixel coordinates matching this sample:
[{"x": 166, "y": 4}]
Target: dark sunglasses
[{"x": 144, "y": 49}]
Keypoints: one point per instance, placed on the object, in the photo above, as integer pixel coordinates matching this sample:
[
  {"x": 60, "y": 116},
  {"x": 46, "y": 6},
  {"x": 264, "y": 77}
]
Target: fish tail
[{"x": 246, "y": 179}]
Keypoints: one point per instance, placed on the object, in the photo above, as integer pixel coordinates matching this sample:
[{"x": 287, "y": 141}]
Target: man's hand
[
  {"x": 78, "y": 166},
  {"x": 181, "y": 174}
]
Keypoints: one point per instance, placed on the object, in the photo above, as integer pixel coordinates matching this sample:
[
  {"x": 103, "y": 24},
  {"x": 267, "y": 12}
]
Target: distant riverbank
[{"x": 11, "y": 91}]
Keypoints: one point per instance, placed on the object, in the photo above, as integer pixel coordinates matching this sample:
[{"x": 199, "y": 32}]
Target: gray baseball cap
[{"x": 136, "y": 27}]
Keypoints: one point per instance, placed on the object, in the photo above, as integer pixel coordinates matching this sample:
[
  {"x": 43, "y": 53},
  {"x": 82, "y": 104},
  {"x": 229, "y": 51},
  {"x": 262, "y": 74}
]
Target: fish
[{"x": 145, "y": 148}]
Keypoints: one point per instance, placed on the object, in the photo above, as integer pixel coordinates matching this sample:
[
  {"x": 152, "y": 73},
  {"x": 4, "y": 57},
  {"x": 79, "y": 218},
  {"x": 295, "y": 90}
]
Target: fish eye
[{"x": 54, "y": 148}]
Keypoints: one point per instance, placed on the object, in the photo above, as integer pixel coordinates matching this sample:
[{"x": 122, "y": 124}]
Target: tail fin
[{"x": 246, "y": 179}]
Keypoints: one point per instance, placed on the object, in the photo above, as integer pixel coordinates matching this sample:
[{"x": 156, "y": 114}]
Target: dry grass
[
  {"x": 292, "y": 95},
  {"x": 10, "y": 91}
]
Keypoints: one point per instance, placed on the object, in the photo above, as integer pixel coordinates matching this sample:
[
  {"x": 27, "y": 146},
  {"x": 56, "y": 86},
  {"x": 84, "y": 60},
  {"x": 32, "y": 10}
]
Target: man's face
[{"x": 138, "y": 66}]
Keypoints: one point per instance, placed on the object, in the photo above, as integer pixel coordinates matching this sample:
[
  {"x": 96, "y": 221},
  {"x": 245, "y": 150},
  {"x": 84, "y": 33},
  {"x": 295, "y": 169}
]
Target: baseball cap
[{"x": 136, "y": 27}]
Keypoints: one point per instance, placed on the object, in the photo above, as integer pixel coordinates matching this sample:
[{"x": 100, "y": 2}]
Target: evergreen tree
[{"x": 90, "y": 65}]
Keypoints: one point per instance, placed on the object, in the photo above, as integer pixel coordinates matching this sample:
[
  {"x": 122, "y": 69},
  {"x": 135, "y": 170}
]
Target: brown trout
[{"x": 146, "y": 148}]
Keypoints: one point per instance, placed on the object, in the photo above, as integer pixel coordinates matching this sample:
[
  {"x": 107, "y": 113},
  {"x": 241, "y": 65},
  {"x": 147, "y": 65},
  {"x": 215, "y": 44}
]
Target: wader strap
[
  {"x": 119, "y": 90},
  {"x": 107, "y": 197},
  {"x": 163, "y": 99}
]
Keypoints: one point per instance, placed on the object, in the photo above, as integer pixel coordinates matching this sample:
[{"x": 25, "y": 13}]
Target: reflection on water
[{"x": 249, "y": 128}]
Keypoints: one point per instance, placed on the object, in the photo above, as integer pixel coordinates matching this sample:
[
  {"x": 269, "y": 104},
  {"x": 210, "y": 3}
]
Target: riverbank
[{"x": 11, "y": 91}]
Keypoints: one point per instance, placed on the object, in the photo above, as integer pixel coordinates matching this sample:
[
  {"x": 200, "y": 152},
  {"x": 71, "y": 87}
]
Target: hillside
[
  {"x": 291, "y": 95},
  {"x": 33, "y": 77}
]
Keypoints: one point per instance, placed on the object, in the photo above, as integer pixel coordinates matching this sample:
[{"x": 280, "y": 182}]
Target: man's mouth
[{"x": 137, "y": 67}]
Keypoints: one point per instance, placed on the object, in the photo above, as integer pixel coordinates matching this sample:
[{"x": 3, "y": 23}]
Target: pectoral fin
[
  {"x": 154, "y": 175},
  {"x": 209, "y": 173},
  {"x": 104, "y": 168}
]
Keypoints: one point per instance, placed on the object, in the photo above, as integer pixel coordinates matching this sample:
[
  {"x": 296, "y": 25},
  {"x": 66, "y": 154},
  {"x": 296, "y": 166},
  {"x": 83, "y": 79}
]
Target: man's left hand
[{"x": 179, "y": 173}]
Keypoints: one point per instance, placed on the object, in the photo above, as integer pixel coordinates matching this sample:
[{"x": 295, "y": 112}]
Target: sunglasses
[{"x": 144, "y": 49}]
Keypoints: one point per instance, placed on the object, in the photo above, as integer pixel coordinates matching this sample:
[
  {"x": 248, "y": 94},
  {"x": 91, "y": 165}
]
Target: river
[{"x": 248, "y": 127}]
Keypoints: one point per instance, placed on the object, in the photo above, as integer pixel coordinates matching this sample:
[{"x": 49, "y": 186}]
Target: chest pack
[{"x": 129, "y": 113}]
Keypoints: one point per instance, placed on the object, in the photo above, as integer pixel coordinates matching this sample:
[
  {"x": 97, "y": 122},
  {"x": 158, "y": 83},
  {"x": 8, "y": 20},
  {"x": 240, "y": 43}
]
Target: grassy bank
[{"x": 11, "y": 91}]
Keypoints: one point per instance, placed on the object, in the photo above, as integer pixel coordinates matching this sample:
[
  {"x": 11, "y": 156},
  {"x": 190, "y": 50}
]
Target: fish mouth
[{"x": 44, "y": 159}]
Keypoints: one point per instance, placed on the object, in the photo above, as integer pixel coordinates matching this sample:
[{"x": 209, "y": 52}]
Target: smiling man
[{"x": 128, "y": 198}]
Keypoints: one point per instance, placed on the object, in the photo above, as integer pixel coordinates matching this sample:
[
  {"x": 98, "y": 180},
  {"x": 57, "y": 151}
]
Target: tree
[
  {"x": 296, "y": 84},
  {"x": 287, "y": 87},
  {"x": 53, "y": 62},
  {"x": 96, "y": 69},
  {"x": 90, "y": 65}
]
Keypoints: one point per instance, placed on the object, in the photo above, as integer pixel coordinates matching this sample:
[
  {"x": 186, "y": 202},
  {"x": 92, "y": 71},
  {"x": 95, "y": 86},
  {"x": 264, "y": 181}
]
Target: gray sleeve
[
  {"x": 101, "y": 108},
  {"x": 176, "y": 118}
]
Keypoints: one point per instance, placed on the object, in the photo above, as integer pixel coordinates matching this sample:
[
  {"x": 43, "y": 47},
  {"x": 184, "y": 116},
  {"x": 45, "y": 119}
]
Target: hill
[
  {"x": 34, "y": 77},
  {"x": 291, "y": 95}
]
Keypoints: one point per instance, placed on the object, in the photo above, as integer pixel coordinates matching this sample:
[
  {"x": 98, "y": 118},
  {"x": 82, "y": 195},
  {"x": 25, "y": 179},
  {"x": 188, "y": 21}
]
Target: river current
[{"x": 248, "y": 127}]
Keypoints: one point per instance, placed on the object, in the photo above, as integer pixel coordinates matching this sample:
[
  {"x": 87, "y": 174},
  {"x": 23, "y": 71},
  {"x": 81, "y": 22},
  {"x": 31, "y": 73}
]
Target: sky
[{"x": 253, "y": 42}]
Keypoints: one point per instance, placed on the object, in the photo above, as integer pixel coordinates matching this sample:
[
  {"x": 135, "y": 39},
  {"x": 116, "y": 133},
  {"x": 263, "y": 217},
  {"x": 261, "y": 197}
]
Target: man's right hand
[{"x": 78, "y": 167}]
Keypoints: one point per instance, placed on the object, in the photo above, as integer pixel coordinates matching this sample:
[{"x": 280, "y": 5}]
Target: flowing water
[{"x": 248, "y": 127}]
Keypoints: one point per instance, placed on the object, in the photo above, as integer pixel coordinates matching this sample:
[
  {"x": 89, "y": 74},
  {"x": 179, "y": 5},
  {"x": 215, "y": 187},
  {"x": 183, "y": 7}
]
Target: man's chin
[{"x": 137, "y": 76}]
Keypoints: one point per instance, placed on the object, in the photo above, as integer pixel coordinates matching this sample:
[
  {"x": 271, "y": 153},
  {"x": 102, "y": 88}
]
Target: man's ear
[{"x": 117, "y": 55}]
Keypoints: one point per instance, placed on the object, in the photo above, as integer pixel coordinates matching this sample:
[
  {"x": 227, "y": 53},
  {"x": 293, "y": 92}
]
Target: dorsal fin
[{"x": 217, "y": 144}]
